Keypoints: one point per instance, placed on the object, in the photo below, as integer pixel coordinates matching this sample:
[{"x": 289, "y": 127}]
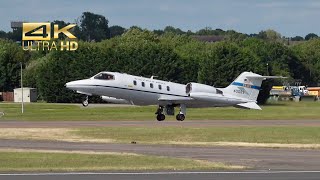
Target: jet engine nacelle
[
  {"x": 196, "y": 87},
  {"x": 114, "y": 100}
]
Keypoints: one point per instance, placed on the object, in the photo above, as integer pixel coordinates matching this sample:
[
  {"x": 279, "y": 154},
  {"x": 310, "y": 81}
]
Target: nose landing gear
[{"x": 181, "y": 115}]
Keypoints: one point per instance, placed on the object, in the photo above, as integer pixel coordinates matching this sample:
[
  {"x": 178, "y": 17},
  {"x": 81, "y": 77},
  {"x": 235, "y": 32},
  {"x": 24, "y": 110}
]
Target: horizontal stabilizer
[
  {"x": 249, "y": 105},
  {"x": 265, "y": 77}
]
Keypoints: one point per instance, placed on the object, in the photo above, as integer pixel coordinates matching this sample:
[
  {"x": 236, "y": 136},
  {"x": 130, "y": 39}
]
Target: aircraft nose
[
  {"x": 72, "y": 85},
  {"x": 68, "y": 84},
  {"x": 81, "y": 86}
]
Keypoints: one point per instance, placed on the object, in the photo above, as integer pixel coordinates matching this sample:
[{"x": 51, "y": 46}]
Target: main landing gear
[
  {"x": 180, "y": 117},
  {"x": 159, "y": 113},
  {"x": 169, "y": 110},
  {"x": 85, "y": 102}
]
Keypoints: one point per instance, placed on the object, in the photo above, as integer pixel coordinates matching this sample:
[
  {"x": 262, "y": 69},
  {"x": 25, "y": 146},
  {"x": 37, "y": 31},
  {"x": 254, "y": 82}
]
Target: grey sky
[{"x": 289, "y": 17}]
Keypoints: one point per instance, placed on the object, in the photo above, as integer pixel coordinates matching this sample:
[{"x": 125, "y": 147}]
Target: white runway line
[{"x": 152, "y": 173}]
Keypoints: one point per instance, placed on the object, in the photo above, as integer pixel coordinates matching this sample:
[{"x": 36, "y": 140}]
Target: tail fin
[{"x": 247, "y": 85}]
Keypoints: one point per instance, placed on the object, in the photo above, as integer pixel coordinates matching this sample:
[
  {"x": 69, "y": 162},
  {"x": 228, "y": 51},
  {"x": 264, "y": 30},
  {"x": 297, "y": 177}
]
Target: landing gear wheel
[
  {"x": 161, "y": 117},
  {"x": 180, "y": 117},
  {"x": 159, "y": 113},
  {"x": 85, "y": 103}
]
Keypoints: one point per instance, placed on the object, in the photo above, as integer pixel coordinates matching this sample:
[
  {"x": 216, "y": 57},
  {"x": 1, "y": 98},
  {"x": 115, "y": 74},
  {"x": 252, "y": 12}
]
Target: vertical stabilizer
[{"x": 247, "y": 85}]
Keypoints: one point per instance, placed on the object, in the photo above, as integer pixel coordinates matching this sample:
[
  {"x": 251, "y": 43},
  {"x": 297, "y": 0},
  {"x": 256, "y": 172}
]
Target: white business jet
[{"x": 121, "y": 88}]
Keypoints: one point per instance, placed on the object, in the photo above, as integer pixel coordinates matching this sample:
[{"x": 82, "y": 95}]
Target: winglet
[{"x": 249, "y": 105}]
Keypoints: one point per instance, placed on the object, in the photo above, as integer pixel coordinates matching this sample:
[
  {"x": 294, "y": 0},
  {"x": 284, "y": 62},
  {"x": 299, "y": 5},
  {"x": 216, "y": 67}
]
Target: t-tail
[{"x": 247, "y": 86}]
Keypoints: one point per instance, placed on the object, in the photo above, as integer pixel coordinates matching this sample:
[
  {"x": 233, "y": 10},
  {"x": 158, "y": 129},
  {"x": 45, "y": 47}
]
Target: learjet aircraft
[{"x": 123, "y": 88}]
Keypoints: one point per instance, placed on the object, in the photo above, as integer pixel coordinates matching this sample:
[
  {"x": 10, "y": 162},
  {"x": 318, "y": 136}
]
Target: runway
[
  {"x": 283, "y": 175},
  {"x": 264, "y": 163},
  {"x": 256, "y": 158},
  {"x": 154, "y": 123}
]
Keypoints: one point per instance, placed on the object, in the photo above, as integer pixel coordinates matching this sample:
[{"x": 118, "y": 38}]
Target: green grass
[
  {"x": 169, "y": 135},
  {"x": 46, "y": 111},
  {"x": 43, "y": 161}
]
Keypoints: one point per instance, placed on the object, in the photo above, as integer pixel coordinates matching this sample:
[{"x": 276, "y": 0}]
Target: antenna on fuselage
[{"x": 152, "y": 77}]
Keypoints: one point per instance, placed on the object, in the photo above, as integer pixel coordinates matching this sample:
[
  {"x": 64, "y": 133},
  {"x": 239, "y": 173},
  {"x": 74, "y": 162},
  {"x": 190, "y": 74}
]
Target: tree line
[
  {"x": 95, "y": 27},
  {"x": 171, "y": 56}
]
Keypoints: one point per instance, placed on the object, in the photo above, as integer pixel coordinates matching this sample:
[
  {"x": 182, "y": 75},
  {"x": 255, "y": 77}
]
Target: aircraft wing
[{"x": 176, "y": 99}]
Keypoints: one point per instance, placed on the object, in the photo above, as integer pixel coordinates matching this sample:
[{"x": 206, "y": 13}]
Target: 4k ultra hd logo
[{"x": 39, "y": 36}]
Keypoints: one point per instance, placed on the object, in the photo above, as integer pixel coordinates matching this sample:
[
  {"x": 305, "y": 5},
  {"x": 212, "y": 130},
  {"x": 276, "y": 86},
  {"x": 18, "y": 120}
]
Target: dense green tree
[
  {"x": 270, "y": 35},
  {"x": 93, "y": 27},
  {"x": 275, "y": 59},
  {"x": 210, "y": 31},
  {"x": 158, "y": 31},
  {"x": 10, "y": 57},
  {"x": 116, "y": 31},
  {"x": 170, "y": 56},
  {"x": 170, "y": 29},
  {"x": 310, "y": 36},
  {"x": 190, "y": 53},
  {"x": 276, "y": 55},
  {"x": 15, "y": 35},
  {"x": 141, "y": 53},
  {"x": 234, "y": 36},
  {"x": 309, "y": 55},
  {"x": 297, "y": 38},
  {"x": 3, "y": 35},
  {"x": 261, "y": 35},
  {"x": 224, "y": 62},
  {"x": 135, "y": 27}
]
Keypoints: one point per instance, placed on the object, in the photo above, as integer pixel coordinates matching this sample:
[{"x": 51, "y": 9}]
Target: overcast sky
[{"x": 289, "y": 17}]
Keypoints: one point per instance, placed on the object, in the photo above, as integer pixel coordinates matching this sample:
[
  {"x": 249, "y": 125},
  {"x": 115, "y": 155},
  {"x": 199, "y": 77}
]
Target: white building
[{"x": 29, "y": 95}]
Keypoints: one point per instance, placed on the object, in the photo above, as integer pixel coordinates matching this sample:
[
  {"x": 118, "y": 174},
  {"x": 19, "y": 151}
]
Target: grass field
[
  {"x": 46, "y": 111},
  {"x": 48, "y": 161},
  {"x": 295, "y": 137},
  {"x": 63, "y": 161},
  {"x": 184, "y": 135}
]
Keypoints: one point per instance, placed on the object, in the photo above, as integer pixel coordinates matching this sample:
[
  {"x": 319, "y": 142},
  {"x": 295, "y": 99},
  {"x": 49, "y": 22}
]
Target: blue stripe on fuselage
[{"x": 246, "y": 85}]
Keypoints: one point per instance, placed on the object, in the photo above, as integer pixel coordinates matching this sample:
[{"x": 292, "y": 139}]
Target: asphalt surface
[
  {"x": 171, "y": 176},
  {"x": 256, "y": 158},
  {"x": 154, "y": 123}
]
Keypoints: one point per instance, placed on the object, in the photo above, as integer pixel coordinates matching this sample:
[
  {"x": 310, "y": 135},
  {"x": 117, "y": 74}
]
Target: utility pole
[{"x": 21, "y": 84}]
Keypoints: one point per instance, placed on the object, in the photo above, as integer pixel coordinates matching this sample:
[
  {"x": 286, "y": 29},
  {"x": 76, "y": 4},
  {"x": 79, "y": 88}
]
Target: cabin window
[
  {"x": 135, "y": 83},
  {"x": 104, "y": 76},
  {"x": 160, "y": 87},
  {"x": 151, "y": 85},
  {"x": 142, "y": 84},
  {"x": 168, "y": 88}
]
